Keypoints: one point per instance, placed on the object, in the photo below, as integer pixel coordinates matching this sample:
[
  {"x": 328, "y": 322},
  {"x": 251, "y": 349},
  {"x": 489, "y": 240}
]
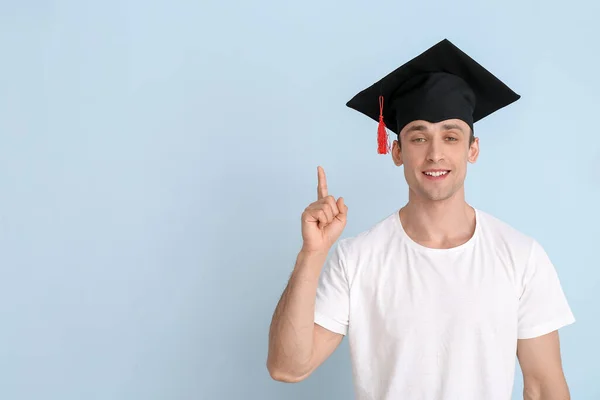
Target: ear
[
  {"x": 397, "y": 152},
  {"x": 474, "y": 151}
]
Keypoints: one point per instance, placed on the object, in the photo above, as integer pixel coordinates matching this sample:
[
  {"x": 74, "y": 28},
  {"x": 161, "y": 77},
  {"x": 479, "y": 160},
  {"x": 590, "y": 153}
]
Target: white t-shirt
[{"x": 438, "y": 324}]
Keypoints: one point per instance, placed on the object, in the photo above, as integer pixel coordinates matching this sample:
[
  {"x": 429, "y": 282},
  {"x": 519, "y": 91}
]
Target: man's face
[{"x": 435, "y": 157}]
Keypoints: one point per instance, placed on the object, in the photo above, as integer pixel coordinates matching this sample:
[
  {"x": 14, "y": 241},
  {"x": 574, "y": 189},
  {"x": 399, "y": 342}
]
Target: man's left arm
[
  {"x": 543, "y": 310},
  {"x": 541, "y": 364}
]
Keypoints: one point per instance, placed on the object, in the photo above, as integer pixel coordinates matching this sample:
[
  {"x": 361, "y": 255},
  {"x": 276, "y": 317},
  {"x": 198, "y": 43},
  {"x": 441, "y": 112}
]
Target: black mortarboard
[{"x": 441, "y": 83}]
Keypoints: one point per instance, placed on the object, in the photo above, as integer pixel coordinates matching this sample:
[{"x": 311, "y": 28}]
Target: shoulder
[
  {"x": 501, "y": 231},
  {"x": 375, "y": 238},
  {"x": 505, "y": 239}
]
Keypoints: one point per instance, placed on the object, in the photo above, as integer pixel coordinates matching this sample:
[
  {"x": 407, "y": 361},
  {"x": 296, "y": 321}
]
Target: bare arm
[
  {"x": 540, "y": 361},
  {"x": 297, "y": 346}
]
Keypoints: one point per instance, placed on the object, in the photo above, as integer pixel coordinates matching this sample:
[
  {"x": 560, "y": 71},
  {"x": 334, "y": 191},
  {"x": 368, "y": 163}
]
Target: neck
[{"x": 438, "y": 224}]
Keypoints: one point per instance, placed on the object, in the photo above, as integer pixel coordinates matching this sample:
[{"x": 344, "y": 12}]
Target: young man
[{"x": 437, "y": 298}]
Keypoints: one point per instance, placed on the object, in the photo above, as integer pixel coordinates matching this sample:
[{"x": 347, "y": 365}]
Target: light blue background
[{"x": 156, "y": 157}]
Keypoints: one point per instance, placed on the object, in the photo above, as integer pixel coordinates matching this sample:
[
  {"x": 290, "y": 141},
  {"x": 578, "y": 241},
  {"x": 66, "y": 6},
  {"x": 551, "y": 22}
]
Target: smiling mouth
[{"x": 436, "y": 174}]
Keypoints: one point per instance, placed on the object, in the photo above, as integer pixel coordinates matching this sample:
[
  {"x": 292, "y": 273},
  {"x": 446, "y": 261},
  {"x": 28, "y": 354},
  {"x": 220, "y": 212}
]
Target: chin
[
  {"x": 439, "y": 197},
  {"x": 436, "y": 195}
]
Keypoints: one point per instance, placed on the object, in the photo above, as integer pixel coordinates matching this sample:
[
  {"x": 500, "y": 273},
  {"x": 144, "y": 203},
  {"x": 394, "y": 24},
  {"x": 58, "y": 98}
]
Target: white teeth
[{"x": 437, "y": 173}]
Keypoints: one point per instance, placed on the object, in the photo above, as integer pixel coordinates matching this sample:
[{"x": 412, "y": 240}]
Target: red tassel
[{"x": 382, "y": 136}]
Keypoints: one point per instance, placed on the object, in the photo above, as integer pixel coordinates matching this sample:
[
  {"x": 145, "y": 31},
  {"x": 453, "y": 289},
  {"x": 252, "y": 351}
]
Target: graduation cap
[{"x": 439, "y": 84}]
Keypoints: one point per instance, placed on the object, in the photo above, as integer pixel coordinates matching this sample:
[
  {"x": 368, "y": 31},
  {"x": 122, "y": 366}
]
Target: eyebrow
[
  {"x": 448, "y": 127},
  {"x": 422, "y": 128},
  {"x": 415, "y": 128}
]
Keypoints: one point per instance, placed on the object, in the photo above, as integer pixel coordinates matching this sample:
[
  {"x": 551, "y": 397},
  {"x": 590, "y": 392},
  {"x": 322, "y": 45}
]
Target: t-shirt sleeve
[
  {"x": 543, "y": 306},
  {"x": 332, "y": 302}
]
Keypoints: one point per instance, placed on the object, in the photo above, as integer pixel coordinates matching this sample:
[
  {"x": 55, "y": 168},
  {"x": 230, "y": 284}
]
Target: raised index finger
[{"x": 322, "y": 186}]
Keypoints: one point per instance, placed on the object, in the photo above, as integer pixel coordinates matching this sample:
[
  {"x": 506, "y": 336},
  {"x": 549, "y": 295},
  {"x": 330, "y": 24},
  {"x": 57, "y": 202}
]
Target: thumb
[{"x": 343, "y": 208}]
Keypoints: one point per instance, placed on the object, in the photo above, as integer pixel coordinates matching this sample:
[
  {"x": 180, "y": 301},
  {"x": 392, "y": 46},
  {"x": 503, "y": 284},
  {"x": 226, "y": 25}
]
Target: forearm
[
  {"x": 292, "y": 327},
  {"x": 551, "y": 390}
]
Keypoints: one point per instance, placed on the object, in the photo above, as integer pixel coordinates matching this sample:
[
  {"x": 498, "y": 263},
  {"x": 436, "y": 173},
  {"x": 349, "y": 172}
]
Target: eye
[
  {"x": 452, "y": 139},
  {"x": 418, "y": 140}
]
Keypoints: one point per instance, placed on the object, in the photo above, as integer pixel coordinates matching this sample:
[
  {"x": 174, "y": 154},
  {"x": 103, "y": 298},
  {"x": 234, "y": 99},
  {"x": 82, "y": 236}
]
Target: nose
[{"x": 435, "y": 151}]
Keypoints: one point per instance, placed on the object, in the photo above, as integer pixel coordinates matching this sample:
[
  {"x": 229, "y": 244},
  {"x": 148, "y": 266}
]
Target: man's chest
[
  {"x": 437, "y": 297},
  {"x": 431, "y": 325}
]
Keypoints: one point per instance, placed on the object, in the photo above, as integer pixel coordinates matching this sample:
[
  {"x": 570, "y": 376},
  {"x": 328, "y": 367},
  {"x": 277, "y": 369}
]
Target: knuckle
[{"x": 332, "y": 203}]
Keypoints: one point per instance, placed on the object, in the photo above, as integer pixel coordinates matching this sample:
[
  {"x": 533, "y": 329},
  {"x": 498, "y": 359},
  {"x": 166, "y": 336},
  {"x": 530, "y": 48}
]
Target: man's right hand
[
  {"x": 324, "y": 220},
  {"x": 297, "y": 344}
]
